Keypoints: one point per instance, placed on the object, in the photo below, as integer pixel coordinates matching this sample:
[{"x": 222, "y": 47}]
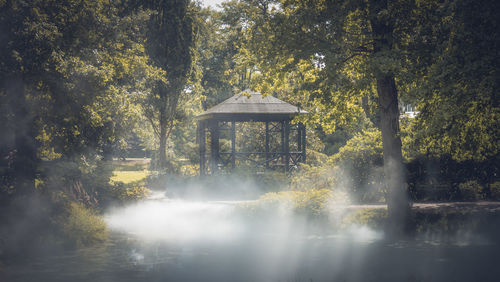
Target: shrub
[
  {"x": 471, "y": 191},
  {"x": 128, "y": 192},
  {"x": 356, "y": 169},
  {"x": 82, "y": 226},
  {"x": 495, "y": 190},
  {"x": 310, "y": 177},
  {"x": 313, "y": 202},
  {"x": 190, "y": 170},
  {"x": 316, "y": 158},
  {"x": 359, "y": 166},
  {"x": 271, "y": 181},
  {"x": 374, "y": 218}
]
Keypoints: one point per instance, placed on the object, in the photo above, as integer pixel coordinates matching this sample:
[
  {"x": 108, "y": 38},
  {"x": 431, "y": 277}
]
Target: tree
[
  {"x": 383, "y": 42},
  {"x": 171, "y": 44},
  {"x": 333, "y": 53},
  {"x": 70, "y": 72},
  {"x": 218, "y": 40},
  {"x": 223, "y": 69},
  {"x": 457, "y": 92}
]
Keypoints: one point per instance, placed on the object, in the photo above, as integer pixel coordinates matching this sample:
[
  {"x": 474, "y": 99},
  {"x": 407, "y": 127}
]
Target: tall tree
[
  {"x": 219, "y": 42},
  {"x": 171, "y": 44},
  {"x": 384, "y": 42},
  {"x": 69, "y": 72},
  {"x": 336, "y": 52},
  {"x": 458, "y": 91}
]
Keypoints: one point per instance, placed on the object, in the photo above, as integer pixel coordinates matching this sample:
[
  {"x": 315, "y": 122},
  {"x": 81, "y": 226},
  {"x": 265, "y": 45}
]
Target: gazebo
[{"x": 245, "y": 107}]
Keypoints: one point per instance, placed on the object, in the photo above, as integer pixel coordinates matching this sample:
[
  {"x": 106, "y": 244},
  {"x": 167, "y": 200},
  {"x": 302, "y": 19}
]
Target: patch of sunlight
[{"x": 129, "y": 176}]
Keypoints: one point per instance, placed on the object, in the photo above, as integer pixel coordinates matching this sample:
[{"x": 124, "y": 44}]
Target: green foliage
[
  {"x": 359, "y": 164},
  {"x": 182, "y": 143},
  {"x": 71, "y": 74},
  {"x": 313, "y": 177},
  {"x": 458, "y": 92},
  {"x": 314, "y": 203},
  {"x": 94, "y": 183},
  {"x": 190, "y": 170},
  {"x": 331, "y": 56},
  {"x": 219, "y": 40},
  {"x": 363, "y": 147},
  {"x": 128, "y": 181},
  {"x": 271, "y": 180},
  {"x": 495, "y": 190},
  {"x": 333, "y": 142},
  {"x": 315, "y": 158},
  {"x": 78, "y": 76},
  {"x": 471, "y": 191},
  {"x": 171, "y": 44},
  {"x": 355, "y": 169},
  {"x": 82, "y": 226},
  {"x": 126, "y": 193},
  {"x": 83, "y": 180},
  {"x": 374, "y": 218},
  {"x": 131, "y": 164}
]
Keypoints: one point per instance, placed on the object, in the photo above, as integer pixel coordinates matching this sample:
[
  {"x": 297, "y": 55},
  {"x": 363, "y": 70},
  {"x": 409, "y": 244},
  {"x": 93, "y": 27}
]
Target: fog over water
[
  {"x": 213, "y": 241},
  {"x": 162, "y": 239},
  {"x": 199, "y": 240}
]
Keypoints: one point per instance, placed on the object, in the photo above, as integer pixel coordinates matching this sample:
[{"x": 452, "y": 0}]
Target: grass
[
  {"x": 131, "y": 164},
  {"x": 127, "y": 177},
  {"x": 83, "y": 227},
  {"x": 130, "y": 170}
]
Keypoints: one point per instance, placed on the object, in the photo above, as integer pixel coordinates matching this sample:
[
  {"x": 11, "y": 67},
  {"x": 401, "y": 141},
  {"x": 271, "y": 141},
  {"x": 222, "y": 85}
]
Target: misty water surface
[{"x": 179, "y": 240}]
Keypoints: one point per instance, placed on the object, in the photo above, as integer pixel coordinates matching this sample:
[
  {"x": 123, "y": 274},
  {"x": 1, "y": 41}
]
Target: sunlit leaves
[
  {"x": 459, "y": 91},
  {"x": 83, "y": 64}
]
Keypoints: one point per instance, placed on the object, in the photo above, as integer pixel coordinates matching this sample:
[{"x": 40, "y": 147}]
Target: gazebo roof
[{"x": 249, "y": 105}]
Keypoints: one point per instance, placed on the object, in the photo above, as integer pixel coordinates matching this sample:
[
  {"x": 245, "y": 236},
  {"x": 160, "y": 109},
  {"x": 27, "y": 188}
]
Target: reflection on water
[{"x": 164, "y": 240}]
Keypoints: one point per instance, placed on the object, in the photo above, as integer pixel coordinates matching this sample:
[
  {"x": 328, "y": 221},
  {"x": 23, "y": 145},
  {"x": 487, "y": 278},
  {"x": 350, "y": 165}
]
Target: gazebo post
[
  {"x": 282, "y": 153},
  {"x": 267, "y": 144},
  {"x": 287, "y": 145},
  {"x": 233, "y": 144},
  {"x": 214, "y": 146},
  {"x": 202, "y": 143},
  {"x": 299, "y": 137},
  {"x": 303, "y": 150}
]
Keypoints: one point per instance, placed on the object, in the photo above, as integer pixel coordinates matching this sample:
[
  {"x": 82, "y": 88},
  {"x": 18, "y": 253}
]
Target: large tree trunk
[
  {"x": 162, "y": 153},
  {"x": 394, "y": 171}
]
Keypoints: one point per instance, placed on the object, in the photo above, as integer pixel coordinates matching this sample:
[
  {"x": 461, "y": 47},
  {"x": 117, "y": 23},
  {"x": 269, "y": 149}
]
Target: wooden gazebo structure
[{"x": 251, "y": 106}]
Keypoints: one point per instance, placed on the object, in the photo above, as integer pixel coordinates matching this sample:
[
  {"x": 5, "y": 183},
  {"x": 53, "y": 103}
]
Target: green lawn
[
  {"x": 130, "y": 170},
  {"x": 129, "y": 176},
  {"x": 131, "y": 164}
]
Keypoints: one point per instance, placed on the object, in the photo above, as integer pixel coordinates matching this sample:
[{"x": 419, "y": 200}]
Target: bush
[
  {"x": 312, "y": 203},
  {"x": 471, "y": 191},
  {"x": 309, "y": 177},
  {"x": 495, "y": 190},
  {"x": 190, "y": 170},
  {"x": 82, "y": 226},
  {"x": 128, "y": 192},
  {"x": 360, "y": 166},
  {"x": 316, "y": 158},
  {"x": 356, "y": 169},
  {"x": 374, "y": 218}
]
